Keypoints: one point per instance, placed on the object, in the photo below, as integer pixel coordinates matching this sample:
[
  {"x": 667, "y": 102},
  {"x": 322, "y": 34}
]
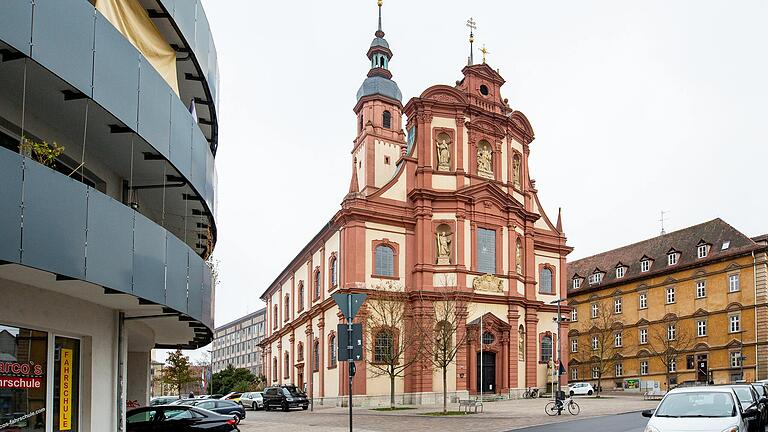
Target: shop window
[{"x": 23, "y": 372}]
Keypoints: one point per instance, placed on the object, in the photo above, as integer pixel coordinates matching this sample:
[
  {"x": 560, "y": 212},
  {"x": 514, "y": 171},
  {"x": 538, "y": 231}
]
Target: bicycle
[
  {"x": 531, "y": 393},
  {"x": 553, "y": 407}
]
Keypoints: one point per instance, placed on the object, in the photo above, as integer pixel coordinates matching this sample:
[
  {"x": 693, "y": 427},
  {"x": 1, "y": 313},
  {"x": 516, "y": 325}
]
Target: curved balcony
[{"x": 96, "y": 248}]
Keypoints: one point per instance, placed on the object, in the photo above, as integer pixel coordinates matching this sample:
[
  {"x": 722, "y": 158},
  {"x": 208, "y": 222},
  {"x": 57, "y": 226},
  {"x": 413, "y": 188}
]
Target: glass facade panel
[
  {"x": 16, "y": 24},
  {"x": 154, "y": 108},
  {"x": 110, "y": 242},
  {"x": 486, "y": 251},
  {"x": 149, "y": 260},
  {"x": 23, "y": 368},
  {"x": 176, "y": 276},
  {"x": 10, "y": 205}
]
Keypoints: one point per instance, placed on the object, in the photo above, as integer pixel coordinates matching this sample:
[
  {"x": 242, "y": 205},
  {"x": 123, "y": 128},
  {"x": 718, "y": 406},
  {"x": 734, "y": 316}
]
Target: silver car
[
  {"x": 253, "y": 400},
  {"x": 700, "y": 409}
]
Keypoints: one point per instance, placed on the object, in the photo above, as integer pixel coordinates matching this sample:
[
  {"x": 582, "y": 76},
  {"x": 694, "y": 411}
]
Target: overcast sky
[{"x": 637, "y": 107}]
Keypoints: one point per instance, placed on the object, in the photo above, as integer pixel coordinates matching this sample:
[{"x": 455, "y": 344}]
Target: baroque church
[{"x": 440, "y": 199}]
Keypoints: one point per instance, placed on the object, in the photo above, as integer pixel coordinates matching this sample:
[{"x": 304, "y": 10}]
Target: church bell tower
[{"x": 377, "y": 146}]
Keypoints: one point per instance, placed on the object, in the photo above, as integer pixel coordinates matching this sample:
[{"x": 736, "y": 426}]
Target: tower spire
[
  {"x": 380, "y": 32},
  {"x": 472, "y": 26}
]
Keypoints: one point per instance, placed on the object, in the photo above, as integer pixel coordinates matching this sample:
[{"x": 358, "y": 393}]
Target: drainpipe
[
  {"x": 122, "y": 349},
  {"x": 757, "y": 339}
]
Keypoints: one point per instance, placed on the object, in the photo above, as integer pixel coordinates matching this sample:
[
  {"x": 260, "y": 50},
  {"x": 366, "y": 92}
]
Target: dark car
[
  {"x": 284, "y": 397},
  {"x": 219, "y": 406},
  {"x": 177, "y": 418},
  {"x": 749, "y": 397}
]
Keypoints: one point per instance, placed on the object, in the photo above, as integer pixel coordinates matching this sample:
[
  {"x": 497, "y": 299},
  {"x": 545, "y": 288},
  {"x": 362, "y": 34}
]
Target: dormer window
[
  {"x": 645, "y": 264},
  {"x": 672, "y": 257},
  {"x": 726, "y": 245},
  {"x": 621, "y": 270},
  {"x": 702, "y": 250},
  {"x": 576, "y": 283},
  {"x": 595, "y": 278}
]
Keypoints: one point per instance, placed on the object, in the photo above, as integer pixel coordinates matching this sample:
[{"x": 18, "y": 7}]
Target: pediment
[
  {"x": 643, "y": 322},
  {"x": 734, "y": 306},
  {"x": 487, "y": 192},
  {"x": 444, "y": 93},
  {"x": 700, "y": 312},
  {"x": 487, "y": 127},
  {"x": 732, "y": 266},
  {"x": 573, "y": 332},
  {"x": 701, "y": 347},
  {"x": 643, "y": 353},
  {"x": 669, "y": 317},
  {"x": 733, "y": 344},
  {"x": 490, "y": 321},
  {"x": 669, "y": 280}
]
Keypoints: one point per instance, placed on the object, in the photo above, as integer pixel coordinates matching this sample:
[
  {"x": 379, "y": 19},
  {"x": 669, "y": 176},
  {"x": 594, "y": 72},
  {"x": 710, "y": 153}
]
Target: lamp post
[{"x": 558, "y": 319}]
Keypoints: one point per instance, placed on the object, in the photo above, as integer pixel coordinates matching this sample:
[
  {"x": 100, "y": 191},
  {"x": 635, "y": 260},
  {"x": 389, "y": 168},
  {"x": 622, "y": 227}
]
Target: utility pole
[{"x": 481, "y": 358}]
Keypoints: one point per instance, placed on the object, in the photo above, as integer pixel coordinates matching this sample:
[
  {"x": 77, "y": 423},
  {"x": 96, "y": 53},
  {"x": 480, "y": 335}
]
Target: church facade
[{"x": 440, "y": 199}]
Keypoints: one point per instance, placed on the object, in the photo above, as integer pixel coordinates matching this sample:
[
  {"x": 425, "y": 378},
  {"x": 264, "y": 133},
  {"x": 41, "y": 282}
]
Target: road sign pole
[{"x": 350, "y": 359}]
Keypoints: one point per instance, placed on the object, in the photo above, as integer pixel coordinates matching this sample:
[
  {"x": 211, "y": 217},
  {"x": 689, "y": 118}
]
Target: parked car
[
  {"x": 580, "y": 388},
  {"x": 219, "y": 406},
  {"x": 233, "y": 396},
  {"x": 162, "y": 400},
  {"x": 284, "y": 397},
  {"x": 177, "y": 418},
  {"x": 252, "y": 400},
  {"x": 715, "y": 409},
  {"x": 749, "y": 398}
]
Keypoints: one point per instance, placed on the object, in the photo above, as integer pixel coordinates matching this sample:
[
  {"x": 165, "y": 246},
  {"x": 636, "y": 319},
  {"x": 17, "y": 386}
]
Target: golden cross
[{"x": 485, "y": 51}]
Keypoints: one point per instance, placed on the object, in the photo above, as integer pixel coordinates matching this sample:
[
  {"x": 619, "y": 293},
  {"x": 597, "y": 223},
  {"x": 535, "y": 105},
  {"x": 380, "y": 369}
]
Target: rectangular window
[
  {"x": 574, "y": 374},
  {"x": 619, "y": 369},
  {"x": 595, "y": 372},
  {"x": 671, "y": 332},
  {"x": 594, "y": 310},
  {"x": 672, "y": 367},
  {"x": 576, "y": 283},
  {"x": 617, "y": 305},
  {"x": 670, "y": 295},
  {"x": 735, "y": 358},
  {"x": 574, "y": 314},
  {"x": 574, "y": 345},
  {"x": 672, "y": 258},
  {"x": 701, "y": 251},
  {"x": 734, "y": 323},
  {"x": 701, "y": 289},
  {"x": 595, "y": 278},
  {"x": 645, "y": 265},
  {"x": 733, "y": 283},
  {"x": 486, "y": 251},
  {"x": 644, "y": 367},
  {"x": 23, "y": 383},
  {"x": 701, "y": 328},
  {"x": 620, "y": 272},
  {"x": 617, "y": 340},
  {"x": 643, "y": 301},
  {"x": 595, "y": 344},
  {"x": 643, "y": 335}
]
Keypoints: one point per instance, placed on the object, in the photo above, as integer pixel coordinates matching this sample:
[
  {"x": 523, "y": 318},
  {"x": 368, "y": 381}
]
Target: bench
[{"x": 470, "y": 404}]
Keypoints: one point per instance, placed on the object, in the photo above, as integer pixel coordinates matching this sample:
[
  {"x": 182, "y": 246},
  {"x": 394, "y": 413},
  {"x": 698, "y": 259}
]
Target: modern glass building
[{"x": 108, "y": 134}]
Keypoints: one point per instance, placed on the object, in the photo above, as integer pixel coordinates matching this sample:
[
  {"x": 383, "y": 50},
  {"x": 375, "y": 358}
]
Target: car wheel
[
  {"x": 589, "y": 393},
  {"x": 304, "y": 407},
  {"x": 285, "y": 406},
  {"x": 266, "y": 406},
  {"x": 255, "y": 406},
  {"x": 236, "y": 418},
  {"x": 572, "y": 393}
]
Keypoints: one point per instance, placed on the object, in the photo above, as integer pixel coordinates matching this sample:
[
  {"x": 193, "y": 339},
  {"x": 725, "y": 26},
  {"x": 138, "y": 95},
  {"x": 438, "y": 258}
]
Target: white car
[
  {"x": 253, "y": 400},
  {"x": 701, "y": 409},
  {"x": 580, "y": 388}
]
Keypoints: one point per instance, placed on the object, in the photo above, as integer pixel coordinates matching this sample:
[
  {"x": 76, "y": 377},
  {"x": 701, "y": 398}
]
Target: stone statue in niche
[
  {"x": 516, "y": 171},
  {"x": 519, "y": 257},
  {"x": 443, "y": 153},
  {"x": 521, "y": 345},
  {"x": 443, "y": 247},
  {"x": 484, "y": 164}
]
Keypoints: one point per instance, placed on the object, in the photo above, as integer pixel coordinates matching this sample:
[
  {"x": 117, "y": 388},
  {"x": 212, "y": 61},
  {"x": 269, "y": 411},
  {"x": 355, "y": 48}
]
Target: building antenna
[{"x": 662, "y": 219}]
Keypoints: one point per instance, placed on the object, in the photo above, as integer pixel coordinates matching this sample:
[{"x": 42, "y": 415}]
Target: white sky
[{"x": 637, "y": 107}]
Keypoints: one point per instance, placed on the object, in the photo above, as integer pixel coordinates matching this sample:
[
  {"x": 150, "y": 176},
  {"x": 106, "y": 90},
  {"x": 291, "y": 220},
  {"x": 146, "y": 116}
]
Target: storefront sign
[
  {"x": 17, "y": 375},
  {"x": 65, "y": 389},
  {"x": 632, "y": 383}
]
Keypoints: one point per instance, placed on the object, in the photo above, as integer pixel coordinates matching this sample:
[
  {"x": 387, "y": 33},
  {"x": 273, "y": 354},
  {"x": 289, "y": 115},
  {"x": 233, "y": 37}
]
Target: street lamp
[{"x": 558, "y": 319}]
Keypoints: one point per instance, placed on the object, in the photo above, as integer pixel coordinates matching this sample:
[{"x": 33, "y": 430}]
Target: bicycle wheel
[
  {"x": 573, "y": 408},
  {"x": 550, "y": 408}
]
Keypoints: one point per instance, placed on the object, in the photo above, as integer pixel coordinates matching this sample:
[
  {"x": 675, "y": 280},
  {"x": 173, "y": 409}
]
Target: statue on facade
[
  {"x": 516, "y": 171},
  {"x": 519, "y": 257},
  {"x": 443, "y": 248},
  {"x": 484, "y": 164},
  {"x": 521, "y": 345},
  {"x": 443, "y": 154}
]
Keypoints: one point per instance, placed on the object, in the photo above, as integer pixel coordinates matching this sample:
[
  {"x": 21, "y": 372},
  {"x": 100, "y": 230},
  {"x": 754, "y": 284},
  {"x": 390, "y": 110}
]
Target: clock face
[{"x": 484, "y": 90}]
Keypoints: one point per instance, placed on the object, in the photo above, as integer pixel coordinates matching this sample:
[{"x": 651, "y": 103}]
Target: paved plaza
[{"x": 499, "y": 416}]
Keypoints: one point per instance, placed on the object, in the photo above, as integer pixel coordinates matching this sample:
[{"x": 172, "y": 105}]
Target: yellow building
[{"x": 690, "y": 305}]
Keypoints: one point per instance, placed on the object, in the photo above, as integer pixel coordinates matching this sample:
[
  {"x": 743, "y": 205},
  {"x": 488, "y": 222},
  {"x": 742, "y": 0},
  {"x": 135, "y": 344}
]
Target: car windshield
[
  {"x": 744, "y": 394},
  {"x": 292, "y": 391},
  {"x": 697, "y": 404}
]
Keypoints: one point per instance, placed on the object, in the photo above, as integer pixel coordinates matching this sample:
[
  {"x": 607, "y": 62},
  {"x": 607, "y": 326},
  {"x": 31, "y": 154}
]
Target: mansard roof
[{"x": 715, "y": 232}]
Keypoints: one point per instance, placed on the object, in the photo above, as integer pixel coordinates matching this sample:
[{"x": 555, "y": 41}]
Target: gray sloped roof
[
  {"x": 715, "y": 233},
  {"x": 380, "y": 42},
  {"x": 379, "y": 85}
]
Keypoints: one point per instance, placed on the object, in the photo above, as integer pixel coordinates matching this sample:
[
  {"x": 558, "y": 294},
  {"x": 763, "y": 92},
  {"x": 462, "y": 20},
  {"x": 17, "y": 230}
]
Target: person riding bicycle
[{"x": 560, "y": 401}]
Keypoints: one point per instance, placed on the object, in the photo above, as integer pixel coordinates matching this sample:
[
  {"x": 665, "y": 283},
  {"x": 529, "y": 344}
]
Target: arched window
[
  {"x": 488, "y": 338},
  {"x": 443, "y": 341},
  {"x": 274, "y": 317},
  {"x": 333, "y": 270},
  {"x": 300, "y": 352},
  {"x": 317, "y": 285},
  {"x": 286, "y": 365},
  {"x": 545, "y": 281},
  {"x": 360, "y": 124},
  {"x": 382, "y": 346},
  {"x": 301, "y": 295},
  {"x": 387, "y": 120},
  {"x": 332, "y": 351},
  {"x": 546, "y": 348},
  {"x": 274, "y": 369},
  {"x": 316, "y": 355},
  {"x": 521, "y": 343},
  {"x": 287, "y": 307},
  {"x": 385, "y": 261}
]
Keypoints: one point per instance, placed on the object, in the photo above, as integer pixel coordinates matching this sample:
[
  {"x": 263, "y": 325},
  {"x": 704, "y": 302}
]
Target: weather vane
[
  {"x": 472, "y": 26},
  {"x": 485, "y": 51}
]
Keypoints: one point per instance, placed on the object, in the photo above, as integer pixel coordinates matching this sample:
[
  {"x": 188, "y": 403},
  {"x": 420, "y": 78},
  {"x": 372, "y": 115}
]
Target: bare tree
[
  {"x": 390, "y": 335},
  {"x": 442, "y": 331},
  {"x": 669, "y": 339},
  {"x": 602, "y": 336}
]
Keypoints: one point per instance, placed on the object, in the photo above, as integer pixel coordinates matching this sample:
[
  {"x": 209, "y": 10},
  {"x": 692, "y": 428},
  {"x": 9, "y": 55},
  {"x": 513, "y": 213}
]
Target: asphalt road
[{"x": 632, "y": 422}]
